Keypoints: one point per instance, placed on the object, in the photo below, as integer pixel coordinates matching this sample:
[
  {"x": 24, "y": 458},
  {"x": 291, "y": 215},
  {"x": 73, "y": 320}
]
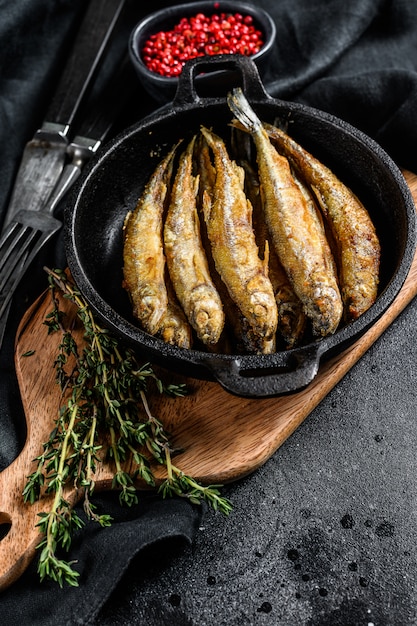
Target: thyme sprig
[{"x": 104, "y": 416}]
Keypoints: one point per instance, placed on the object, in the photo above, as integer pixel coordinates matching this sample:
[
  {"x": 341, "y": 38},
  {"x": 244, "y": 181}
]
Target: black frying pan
[{"x": 115, "y": 179}]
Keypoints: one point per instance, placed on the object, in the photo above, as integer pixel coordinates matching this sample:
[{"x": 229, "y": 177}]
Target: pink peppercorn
[{"x": 165, "y": 52}]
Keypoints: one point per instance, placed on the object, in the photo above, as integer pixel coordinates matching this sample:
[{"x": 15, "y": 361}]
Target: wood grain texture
[{"x": 223, "y": 437}]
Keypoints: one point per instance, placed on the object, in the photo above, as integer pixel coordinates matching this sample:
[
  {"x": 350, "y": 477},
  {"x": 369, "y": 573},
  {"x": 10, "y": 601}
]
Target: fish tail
[{"x": 241, "y": 108}]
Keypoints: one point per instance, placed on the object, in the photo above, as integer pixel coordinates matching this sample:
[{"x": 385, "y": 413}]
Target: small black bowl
[{"x": 163, "y": 89}]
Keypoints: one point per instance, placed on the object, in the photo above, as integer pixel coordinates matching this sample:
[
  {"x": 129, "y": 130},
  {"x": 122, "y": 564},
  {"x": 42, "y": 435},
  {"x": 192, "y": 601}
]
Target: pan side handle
[
  {"x": 239, "y": 66},
  {"x": 287, "y": 373}
]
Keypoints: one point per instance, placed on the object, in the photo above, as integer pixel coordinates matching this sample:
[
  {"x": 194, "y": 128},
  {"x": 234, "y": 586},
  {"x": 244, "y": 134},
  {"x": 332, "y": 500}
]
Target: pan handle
[
  {"x": 214, "y": 67},
  {"x": 286, "y": 373}
]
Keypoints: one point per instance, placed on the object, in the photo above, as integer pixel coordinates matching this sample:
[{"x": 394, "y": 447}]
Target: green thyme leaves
[{"x": 104, "y": 417}]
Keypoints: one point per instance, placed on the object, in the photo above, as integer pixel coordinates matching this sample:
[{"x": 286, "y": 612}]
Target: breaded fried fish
[
  {"x": 296, "y": 239},
  {"x": 143, "y": 256},
  {"x": 355, "y": 237},
  {"x": 291, "y": 317},
  {"x": 316, "y": 216},
  {"x": 228, "y": 217},
  {"x": 244, "y": 339},
  {"x": 186, "y": 258}
]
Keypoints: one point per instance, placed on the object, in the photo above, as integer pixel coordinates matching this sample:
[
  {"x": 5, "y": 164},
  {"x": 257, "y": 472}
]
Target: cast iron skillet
[{"x": 115, "y": 179}]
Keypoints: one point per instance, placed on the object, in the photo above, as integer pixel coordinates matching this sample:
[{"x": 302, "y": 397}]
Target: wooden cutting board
[{"x": 224, "y": 437}]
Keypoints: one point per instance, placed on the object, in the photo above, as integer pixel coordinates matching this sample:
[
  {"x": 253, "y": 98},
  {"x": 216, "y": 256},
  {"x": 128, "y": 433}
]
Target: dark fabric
[
  {"x": 101, "y": 557},
  {"x": 356, "y": 59}
]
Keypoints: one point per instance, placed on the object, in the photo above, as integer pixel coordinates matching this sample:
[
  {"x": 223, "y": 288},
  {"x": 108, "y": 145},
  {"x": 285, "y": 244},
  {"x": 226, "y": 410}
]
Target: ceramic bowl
[{"x": 163, "y": 89}]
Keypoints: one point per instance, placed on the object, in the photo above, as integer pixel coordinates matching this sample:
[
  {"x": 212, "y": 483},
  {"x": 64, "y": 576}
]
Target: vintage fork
[
  {"x": 29, "y": 231},
  {"x": 43, "y": 161}
]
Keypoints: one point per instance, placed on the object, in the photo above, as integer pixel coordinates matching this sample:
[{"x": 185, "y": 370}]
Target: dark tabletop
[{"x": 325, "y": 533}]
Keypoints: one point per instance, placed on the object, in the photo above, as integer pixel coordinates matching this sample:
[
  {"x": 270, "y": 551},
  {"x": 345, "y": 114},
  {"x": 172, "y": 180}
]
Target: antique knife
[
  {"x": 101, "y": 113},
  {"x": 44, "y": 156}
]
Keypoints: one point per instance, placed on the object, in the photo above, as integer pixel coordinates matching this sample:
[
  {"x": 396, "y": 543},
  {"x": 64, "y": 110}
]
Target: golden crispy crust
[
  {"x": 229, "y": 227},
  {"x": 174, "y": 328},
  {"x": 186, "y": 258},
  {"x": 356, "y": 241},
  {"x": 294, "y": 231},
  {"x": 143, "y": 256},
  {"x": 291, "y": 317}
]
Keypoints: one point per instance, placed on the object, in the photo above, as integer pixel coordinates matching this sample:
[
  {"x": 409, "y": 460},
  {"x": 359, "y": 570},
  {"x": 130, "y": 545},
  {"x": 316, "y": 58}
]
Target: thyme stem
[{"x": 106, "y": 417}]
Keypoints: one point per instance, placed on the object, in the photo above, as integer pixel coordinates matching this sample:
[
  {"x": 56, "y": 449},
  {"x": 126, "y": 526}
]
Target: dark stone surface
[{"x": 324, "y": 534}]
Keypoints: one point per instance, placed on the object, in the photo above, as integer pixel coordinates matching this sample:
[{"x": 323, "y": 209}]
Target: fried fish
[
  {"x": 186, "y": 257},
  {"x": 291, "y": 317},
  {"x": 228, "y": 218},
  {"x": 357, "y": 244},
  {"x": 295, "y": 236},
  {"x": 143, "y": 255}
]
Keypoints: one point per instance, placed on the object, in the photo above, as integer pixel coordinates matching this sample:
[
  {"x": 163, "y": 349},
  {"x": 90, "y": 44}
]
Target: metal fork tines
[{"x": 22, "y": 240}]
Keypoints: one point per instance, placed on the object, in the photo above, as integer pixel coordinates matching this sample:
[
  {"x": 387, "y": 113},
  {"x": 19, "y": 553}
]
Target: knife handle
[{"x": 86, "y": 54}]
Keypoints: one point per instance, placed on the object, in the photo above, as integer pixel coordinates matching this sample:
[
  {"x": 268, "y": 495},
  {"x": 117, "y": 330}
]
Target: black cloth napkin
[
  {"x": 103, "y": 557},
  {"x": 356, "y": 59}
]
